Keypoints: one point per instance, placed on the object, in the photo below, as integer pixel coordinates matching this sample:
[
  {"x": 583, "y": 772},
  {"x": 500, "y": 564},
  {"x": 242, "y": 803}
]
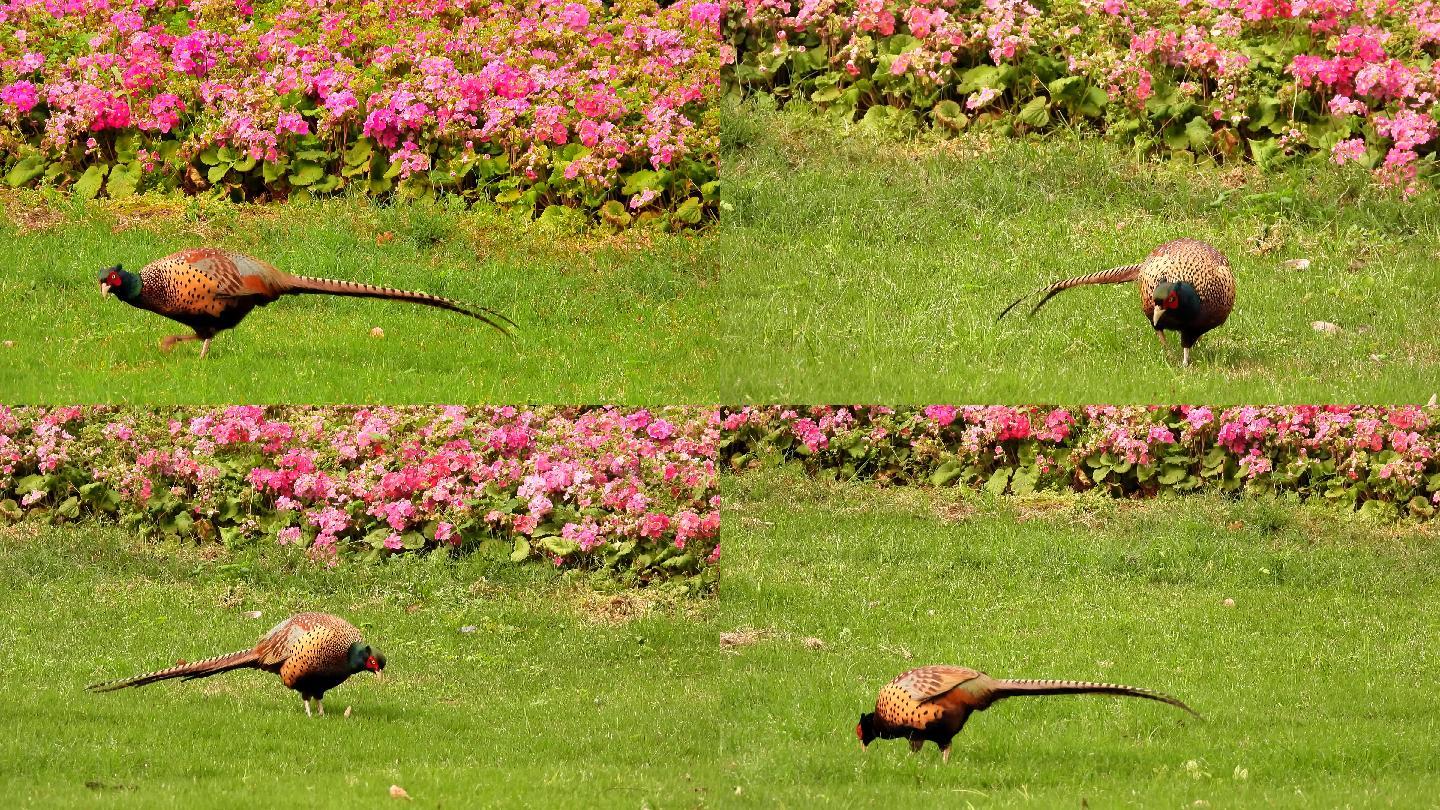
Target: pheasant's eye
[{"x": 1172, "y": 300}]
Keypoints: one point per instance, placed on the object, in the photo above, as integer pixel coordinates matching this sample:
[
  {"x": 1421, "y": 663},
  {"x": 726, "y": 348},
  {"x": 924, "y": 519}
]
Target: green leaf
[
  {"x": 124, "y": 178},
  {"x": 643, "y": 180},
  {"x": 244, "y": 164},
  {"x": 1198, "y": 132},
  {"x": 945, "y": 473},
  {"x": 274, "y": 170},
  {"x": 522, "y": 550},
  {"x": 89, "y": 183},
  {"x": 70, "y": 509},
  {"x": 329, "y": 184},
  {"x": 689, "y": 211},
  {"x": 614, "y": 213},
  {"x": 359, "y": 152},
  {"x": 306, "y": 173},
  {"x": 211, "y": 156},
  {"x": 1036, "y": 113},
  {"x": 950, "y": 115},
  {"x": 559, "y": 546},
  {"x": 999, "y": 480},
  {"x": 10, "y": 510},
  {"x": 217, "y": 173},
  {"x": 412, "y": 540},
  {"x": 26, "y": 170}
]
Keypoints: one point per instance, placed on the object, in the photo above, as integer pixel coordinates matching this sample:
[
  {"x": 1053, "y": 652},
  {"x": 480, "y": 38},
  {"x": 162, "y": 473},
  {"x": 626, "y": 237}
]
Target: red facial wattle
[
  {"x": 371, "y": 664},
  {"x": 112, "y": 280},
  {"x": 1172, "y": 301}
]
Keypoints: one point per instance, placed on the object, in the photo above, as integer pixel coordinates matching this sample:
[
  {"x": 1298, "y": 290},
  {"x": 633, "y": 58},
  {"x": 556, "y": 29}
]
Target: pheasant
[
  {"x": 312, "y": 652},
  {"x": 211, "y": 290},
  {"x": 932, "y": 703},
  {"x": 1185, "y": 286}
]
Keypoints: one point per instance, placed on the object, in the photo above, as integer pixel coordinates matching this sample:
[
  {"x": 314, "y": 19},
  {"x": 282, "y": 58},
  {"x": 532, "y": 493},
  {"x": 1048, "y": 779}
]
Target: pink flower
[
  {"x": 575, "y": 16},
  {"x": 288, "y": 535},
  {"x": 393, "y": 542},
  {"x": 20, "y": 95}
]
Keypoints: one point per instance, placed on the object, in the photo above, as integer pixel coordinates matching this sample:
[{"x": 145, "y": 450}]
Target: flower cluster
[
  {"x": 1377, "y": 459},
  {"x": 633, "y": 490},
  {"x": 527, "y": 102},
  {"x": 1268, "y": 79}
]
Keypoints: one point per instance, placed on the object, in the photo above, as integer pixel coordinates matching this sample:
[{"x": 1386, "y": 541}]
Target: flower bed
[
  {"x": 630, "y": 490},
  {"x": 531, "y": 103},
  {"x": 1344, "y": 80},
  {"x": 1378, "y": 460}
]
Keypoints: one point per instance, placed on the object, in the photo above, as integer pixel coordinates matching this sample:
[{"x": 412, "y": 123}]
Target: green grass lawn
[
  {"x": 1317, "y": 684},
  {"x": 869, "y": 270},
  {"x": 602, "y": 318},
  {"x": 566, "y": 694}
]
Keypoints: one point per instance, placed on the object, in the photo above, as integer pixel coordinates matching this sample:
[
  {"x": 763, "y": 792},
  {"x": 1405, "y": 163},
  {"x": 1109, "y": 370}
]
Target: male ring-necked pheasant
[
  {"x": 211, "y": 290},
  {"x": 1185, "y": 286},
  {"x": 312, "y": 652},
  {"x": 932, "y": 703}
]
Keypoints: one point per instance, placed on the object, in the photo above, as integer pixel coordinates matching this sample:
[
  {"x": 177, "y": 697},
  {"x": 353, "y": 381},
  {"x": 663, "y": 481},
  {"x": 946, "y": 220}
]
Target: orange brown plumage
[
  {"x": 932, "y": 703},
  {"x": 1185, "y": 286},
  {"x": 311, "y": 652},
  {"x": 211, "y": 290}
]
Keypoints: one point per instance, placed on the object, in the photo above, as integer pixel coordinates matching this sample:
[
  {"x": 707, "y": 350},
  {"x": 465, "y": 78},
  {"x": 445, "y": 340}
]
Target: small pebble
[
  {"x": 377, "y": 332},
  {"x": 347, "y": 711},
  {"x": 397, "y": 792},
  {"x": 9, "y": 344},
  {"x": 813, "y": 644},
  {"x": 253, "y": 614},
  {"x": 469, "y": 628},
  {"x": 1325, "y": 326},
  {"x": 1228, "y": 603},
  {"x": 1297, "y": 264}
]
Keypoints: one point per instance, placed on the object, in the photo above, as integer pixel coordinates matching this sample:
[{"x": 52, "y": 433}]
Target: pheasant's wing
[
  {"x": 236, "y": 275},
  {"x": 927, "y": 683},
  {"x": 283, "y": 640}
]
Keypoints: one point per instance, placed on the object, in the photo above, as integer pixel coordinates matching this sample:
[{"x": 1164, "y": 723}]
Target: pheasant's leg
[
  {"x": 945, "y": 753},
  {"x": 916, "y": 745},
  {"x": 1160, "y": 333},
  {"x": 1186, "y": 360},
  {"x": 320, "y": 704},
  {"x": 205, "y": 347},
  {"x": 168, "y": 342},
  {"x": 305, "y": 701}
]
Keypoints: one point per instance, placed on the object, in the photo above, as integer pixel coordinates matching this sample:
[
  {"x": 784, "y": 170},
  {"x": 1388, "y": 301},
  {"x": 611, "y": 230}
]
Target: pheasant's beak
[
  {"x": 1156, "y": 313},
  {"x": 104, "y": 289}
]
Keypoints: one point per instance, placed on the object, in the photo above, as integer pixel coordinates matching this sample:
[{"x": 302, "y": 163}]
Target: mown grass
[
  {"x": 566, "y": 694},
  {"x": 1316, "y": 684},
  {"x": 870, "y": 269},
  {"x": 603, "y": 318}
]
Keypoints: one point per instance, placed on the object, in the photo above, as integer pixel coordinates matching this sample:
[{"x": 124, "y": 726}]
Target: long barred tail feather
[
  {"x": 1114, "y": 275},
  {"x": 307, "y": 284},
  {"x": 191, "y": 671},
  {"x": 1014, "y": 688}
]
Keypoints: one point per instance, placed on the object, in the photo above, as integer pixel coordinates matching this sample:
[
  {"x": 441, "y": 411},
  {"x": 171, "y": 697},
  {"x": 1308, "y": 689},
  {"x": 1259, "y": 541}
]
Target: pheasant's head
[
  {"x": 363, "y": 657},
  {"x": 124, "y": 284},
  {"x": 1177, "y": 297},
  {"x": 866, "y": 729}
]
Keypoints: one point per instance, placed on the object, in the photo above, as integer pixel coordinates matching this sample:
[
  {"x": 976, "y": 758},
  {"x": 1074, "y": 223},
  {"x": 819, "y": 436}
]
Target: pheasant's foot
[
  {"x": 1160, "y": 333},
  {"x": 320, "y": 704},
  {"x": 1185, "y": 361},
  {"x": 945, "y": 755},
  {"x": 168, "y": 342}
]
